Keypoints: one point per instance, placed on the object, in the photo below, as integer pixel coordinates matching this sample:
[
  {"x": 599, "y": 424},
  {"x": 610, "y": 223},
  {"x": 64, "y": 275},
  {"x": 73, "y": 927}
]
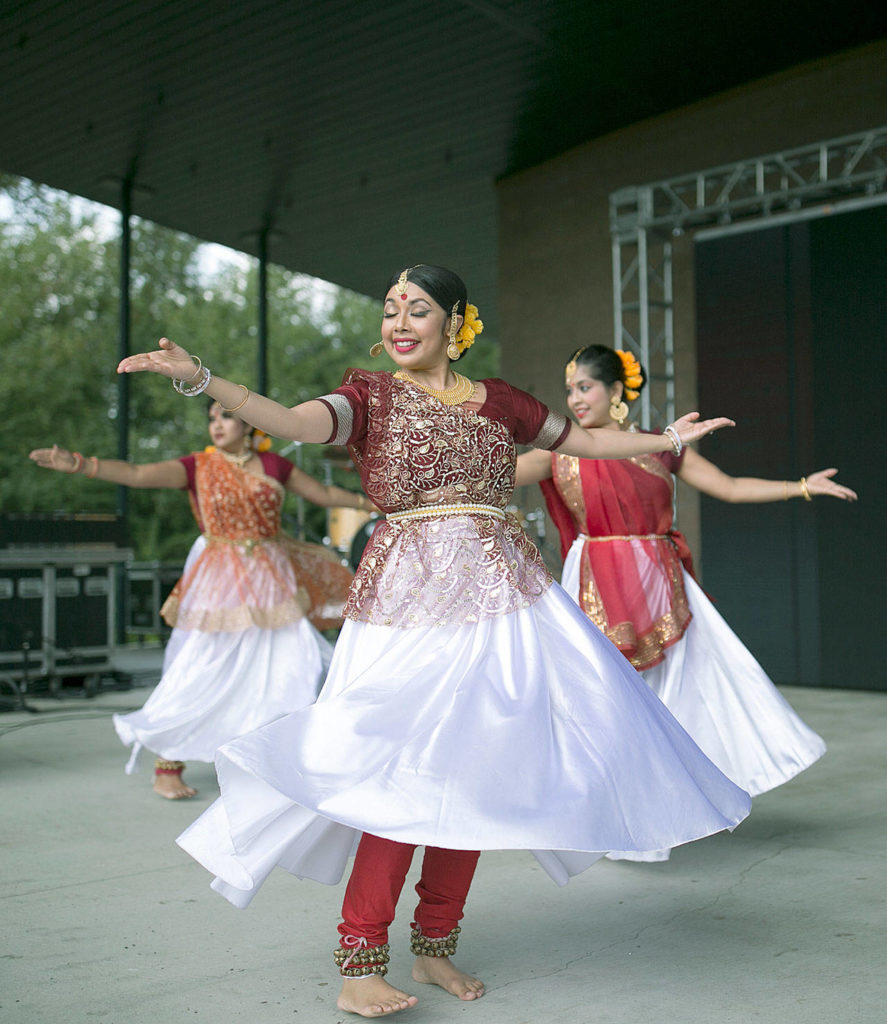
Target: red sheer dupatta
[{"x": 630, "y": 572}]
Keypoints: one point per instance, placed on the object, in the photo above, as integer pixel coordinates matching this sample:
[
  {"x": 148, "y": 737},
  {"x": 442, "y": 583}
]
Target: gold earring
[
  {"x": 377, "y": 349},
  {"x": 453, "y": 351},
  {"x": 618, "y": 410}
]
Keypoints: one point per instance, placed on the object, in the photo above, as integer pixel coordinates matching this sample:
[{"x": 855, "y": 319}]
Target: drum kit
[{"x": 349, "y": 531}]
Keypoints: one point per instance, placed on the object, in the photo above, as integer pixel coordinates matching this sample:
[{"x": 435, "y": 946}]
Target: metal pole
[
  {"x": 262, "y": 353},
  {"x": 123, "y": 345}
]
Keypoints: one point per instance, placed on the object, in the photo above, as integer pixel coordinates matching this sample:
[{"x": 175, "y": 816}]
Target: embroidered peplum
[
  {"x": 249, "y": 573},
  {"x": 449, "y": 569}
]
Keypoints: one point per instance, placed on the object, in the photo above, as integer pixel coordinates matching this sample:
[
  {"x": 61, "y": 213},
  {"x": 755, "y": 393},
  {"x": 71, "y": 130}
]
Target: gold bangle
[
  {"x": 805, "y": 490},
  {"x": 199, "y": 369},
  {"x": 242, "y": 404}
]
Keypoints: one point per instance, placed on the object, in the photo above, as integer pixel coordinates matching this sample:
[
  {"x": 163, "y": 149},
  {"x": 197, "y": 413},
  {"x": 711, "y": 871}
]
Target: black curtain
[{"x": 791, "y": 325}]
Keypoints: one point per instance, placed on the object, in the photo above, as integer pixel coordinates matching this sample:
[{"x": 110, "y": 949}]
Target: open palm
[
  {"x": 170, "y": 360},
  {"x": 690, "y": 428}
]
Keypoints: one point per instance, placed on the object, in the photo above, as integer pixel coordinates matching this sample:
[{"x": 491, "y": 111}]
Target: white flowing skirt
[
  {"x": 217, "y": 685},
  {"x": 523, "y": 731},
  {"x": 723, "y": 698}
]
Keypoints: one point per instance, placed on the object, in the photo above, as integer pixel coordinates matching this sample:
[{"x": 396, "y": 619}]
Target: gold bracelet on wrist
[
  {"x": 805, "y": 490},
  {"x": 785, "y": 490}
]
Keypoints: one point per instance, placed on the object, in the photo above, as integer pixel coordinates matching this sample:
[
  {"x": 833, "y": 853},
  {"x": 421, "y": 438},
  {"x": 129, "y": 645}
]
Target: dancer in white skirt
[
  {"x": 470, "y": 704},
  {"x": 245, "y": 647},
  {"x": 632, "y": 574}
]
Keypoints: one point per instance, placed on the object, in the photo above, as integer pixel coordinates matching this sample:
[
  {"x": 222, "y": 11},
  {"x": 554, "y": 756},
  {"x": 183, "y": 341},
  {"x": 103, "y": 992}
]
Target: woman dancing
[
  {"x": 632, "y": 574},
  {"x": 245, "y": 646},
  {"x": 470, "y": 704}
]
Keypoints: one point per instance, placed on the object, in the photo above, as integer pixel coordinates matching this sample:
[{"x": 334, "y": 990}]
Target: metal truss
[
  {"x": 644, "y": 218},
  {"x": 644, "y": 317}
]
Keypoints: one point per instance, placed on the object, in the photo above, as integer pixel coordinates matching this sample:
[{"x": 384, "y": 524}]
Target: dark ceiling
[{"x": 364, "y": 136}]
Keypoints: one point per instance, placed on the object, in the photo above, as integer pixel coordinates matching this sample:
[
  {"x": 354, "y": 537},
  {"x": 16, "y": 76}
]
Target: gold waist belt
[
  {"x": 437, "y": 511},
  {"x": 629, "y": 536}
]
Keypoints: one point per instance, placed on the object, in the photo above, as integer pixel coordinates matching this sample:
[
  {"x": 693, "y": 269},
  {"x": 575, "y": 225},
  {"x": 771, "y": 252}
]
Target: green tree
[{"x": 58, "y": 334}]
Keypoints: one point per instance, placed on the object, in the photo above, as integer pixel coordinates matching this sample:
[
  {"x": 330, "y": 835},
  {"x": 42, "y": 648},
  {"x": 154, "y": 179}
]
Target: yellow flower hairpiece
[
  {"x": 632, "y": 376},
  {"x": 470, "y": 328},
  {"x": 261, "y": 441}
]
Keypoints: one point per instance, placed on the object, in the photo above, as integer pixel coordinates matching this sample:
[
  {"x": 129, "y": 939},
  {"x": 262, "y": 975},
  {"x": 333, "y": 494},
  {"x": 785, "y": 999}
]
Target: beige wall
[{"x": 555, "y": 289}]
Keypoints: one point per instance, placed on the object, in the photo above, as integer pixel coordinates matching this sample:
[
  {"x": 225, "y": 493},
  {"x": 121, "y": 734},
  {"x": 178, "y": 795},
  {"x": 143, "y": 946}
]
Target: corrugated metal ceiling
[{"x": 366, "y": 136}]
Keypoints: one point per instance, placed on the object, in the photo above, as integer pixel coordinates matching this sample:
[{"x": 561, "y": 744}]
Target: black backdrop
[{"x": 791, "y": 330}]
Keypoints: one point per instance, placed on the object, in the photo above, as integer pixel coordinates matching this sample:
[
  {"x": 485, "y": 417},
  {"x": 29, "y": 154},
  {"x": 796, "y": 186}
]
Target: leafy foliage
[{"x": 59, "y": 278}]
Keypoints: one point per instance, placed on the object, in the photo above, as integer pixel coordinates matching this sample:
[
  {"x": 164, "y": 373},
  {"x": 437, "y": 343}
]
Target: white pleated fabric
[
  {"x": 217, "y": 685},
  {"x": 723, "y": 698},
  {"x": 527, "y": 730}
]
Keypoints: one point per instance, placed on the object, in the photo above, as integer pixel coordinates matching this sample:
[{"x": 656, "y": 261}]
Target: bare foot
[
  {"x": 172, "y": 787},
  {"x": 440, "y": 970},
  {"x": 372, "y": 997}
]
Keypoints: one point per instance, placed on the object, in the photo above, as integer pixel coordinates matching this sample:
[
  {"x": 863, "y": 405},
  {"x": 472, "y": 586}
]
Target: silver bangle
[
  {"x": 675, "y": 439},
  {"x": 195, "y": 389}
]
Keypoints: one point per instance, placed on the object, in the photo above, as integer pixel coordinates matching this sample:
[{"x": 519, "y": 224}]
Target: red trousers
[{"x": 380, "y": 868}]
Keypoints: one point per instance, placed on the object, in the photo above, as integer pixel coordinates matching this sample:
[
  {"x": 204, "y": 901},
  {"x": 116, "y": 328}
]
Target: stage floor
[{"x": 105, "y": 919}]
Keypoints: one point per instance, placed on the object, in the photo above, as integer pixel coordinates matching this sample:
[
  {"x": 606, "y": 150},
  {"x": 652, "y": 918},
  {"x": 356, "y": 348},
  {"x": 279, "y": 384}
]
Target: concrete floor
[{"x": 104, "y": 919}]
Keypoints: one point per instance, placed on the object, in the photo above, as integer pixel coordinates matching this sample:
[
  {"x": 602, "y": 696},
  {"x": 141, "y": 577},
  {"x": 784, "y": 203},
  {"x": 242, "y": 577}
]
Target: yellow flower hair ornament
[
  {"x": 261, "y": 442},
  {"x": 632, "y": 376},
  {"x": 470, "y": 328}
]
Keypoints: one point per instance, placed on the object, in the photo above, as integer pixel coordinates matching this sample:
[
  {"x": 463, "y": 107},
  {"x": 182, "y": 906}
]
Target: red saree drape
[{"x": 630, "y": 573}]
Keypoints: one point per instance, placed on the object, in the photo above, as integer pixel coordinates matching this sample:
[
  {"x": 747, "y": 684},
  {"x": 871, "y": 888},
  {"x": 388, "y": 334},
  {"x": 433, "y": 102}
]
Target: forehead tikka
[
  {"x": 570, "y": 369},
  {"x": 402, "y": 280},
  {"x": 402, "y": 283}
]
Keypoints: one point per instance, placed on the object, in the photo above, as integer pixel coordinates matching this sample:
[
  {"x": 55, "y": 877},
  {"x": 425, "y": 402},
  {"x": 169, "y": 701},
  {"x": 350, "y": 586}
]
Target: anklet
[
  {"x": 360, "y": 963},
  {"x": 421, "y": 945}
]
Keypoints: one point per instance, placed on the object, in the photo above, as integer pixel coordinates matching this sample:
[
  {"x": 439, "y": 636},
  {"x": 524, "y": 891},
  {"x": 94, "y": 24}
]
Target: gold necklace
[
  {"x": 460, "y": 392},
  {"x": 240, "y": 459}
]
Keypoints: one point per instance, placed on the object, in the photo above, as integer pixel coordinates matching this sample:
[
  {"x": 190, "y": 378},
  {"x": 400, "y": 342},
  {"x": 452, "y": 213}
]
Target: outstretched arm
[
  {"x": 310, "y": 422},
  {"x": 326, "y": 495},
  {"x": 705, "y": 476},
  {"x": 601, "y": 443},
  {"x": 169, "y": 474},
  {"x": 532, "y": 467}
]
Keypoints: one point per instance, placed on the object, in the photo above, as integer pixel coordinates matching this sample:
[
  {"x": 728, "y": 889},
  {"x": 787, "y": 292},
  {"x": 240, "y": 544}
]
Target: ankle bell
[
  {"x": 422, "y": 945},
  {"x": 362, "y": 961}
]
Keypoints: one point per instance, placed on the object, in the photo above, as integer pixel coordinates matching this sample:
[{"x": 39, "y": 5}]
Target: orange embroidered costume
[{"x": 245, "y": 647}]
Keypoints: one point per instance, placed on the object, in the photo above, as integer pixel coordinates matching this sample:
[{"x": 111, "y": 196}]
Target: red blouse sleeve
[
  {"x": 190, "y": 464},
  {"x": 348, "y": 406},
  {"x": 276, "y": 466},
  {"x": 530, "y": 422}
]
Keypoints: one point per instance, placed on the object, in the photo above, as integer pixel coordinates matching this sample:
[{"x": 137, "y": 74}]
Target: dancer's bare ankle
[{"x": 168, "y": 781}]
